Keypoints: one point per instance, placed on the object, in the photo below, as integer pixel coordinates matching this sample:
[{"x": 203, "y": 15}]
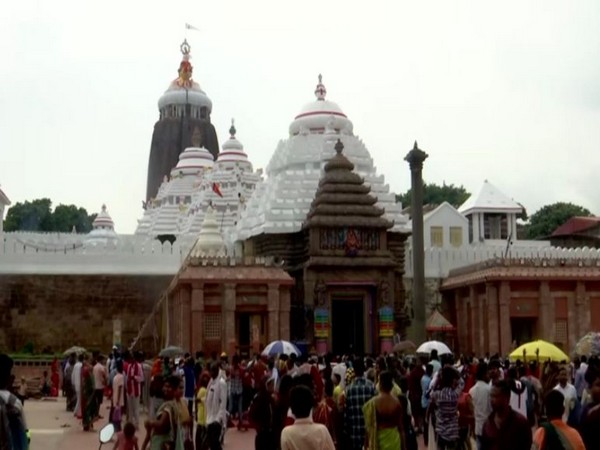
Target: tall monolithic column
[{"x": 415, "y": 160}]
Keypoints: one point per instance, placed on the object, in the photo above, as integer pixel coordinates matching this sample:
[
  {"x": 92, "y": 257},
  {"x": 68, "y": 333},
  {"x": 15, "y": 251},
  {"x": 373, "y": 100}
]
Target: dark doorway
[
  {"x": 348, "y": 326},
  {"x": 522, "y": 330},
  {"x": 244, "y": 334}
]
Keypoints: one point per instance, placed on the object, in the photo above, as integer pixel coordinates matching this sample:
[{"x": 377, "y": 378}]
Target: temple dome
[
  {"x": 103, "y": 230},
  {"x": 192, "y": 160},
  {"x": 320, "y": 115},
  {"x": 210, "y": 240},
  {"x": 184, "y": 90},
  {"x": 232, "y": 149}
]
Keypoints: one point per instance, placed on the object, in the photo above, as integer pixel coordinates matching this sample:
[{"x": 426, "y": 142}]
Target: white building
[
  {"x": 492, "y": 215},
  {"x": 445, "y": 227}
]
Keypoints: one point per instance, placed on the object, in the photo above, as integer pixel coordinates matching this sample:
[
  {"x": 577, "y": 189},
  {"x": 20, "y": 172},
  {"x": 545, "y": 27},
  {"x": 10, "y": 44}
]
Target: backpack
[{"x": 13, "y": 435}]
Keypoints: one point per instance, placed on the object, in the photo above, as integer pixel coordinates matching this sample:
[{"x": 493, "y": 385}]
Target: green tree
[
  {"x": 436, "y": 195},
  {"x": 65, "y": 217},
  {"x": 544, "y": 221},
  {"x": 37, "y": 215},
  {"x": 29, "y": 216}
]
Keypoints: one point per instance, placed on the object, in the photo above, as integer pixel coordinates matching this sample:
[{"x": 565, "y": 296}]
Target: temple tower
[
  {"x": 349, "y": 270},
  {"x": 184, "y": 112}
]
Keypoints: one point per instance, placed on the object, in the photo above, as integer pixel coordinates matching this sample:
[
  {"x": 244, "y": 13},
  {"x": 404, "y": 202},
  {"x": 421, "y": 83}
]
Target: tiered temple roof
[
  {"x": 281, "y": 203},
  {"x": 231, "y": 182},
  {"x": 343, "y": 199},
  {"x": 196, "y": 182}
]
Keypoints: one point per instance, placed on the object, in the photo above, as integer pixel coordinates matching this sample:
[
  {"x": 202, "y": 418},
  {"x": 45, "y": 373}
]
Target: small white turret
[
  {"x": 210, "y": 240},
  {"x": 103, "y": 230}
]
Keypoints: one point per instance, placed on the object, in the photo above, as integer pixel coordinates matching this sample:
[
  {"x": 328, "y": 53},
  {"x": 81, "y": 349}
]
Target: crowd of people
[{"x": 309, "y": 402}]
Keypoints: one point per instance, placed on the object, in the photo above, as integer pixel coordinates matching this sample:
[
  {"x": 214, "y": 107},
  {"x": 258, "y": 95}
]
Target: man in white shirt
[
  {"x": 76, "y": 381},
  {"x": 304, "y": 434},
  {"x": 215, "y": 404},
  {"x": 568, "y": 391},
  {"x": 100, "y": 381},
  {"x": 480, "y": 394}
]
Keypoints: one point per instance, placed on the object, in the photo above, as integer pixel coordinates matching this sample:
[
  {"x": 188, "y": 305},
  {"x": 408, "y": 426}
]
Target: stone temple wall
[{"x": 59, "y": 311}]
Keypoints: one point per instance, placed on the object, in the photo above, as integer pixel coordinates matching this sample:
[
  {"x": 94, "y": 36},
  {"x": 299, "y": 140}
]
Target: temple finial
[
  {"x": 185, "y": 48},
  {"x": 320, "y": 90},
  {"x": 339, "y": 147},
  {"x": 232, "y": 129},
  {"x": 416, "y": 146}
]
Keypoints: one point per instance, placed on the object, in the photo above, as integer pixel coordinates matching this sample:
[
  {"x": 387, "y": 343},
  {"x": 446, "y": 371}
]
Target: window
[
  {"x": 212, "y": 325},
  {"x": 561, "y": 333},
  {"x": 456, "y": 236},
  {"x": 437, "y": 236}
]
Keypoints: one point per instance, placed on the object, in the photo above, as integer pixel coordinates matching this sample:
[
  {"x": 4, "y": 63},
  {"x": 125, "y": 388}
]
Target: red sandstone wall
[{"x": 63, "y": 310}]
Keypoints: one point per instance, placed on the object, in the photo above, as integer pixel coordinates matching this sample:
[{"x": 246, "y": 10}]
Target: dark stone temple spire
[
  {"x": 343, "y": 199},
  {"x": 184, "y": 122}
]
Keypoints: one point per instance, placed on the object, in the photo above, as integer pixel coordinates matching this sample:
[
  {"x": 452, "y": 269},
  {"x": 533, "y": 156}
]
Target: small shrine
[
  {"x": 349, "y": 273},
  {"x": 220, "y": 303}
]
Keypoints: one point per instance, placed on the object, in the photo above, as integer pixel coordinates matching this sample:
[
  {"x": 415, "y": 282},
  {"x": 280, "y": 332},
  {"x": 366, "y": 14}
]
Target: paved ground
[{"x": 52, "y": 428}]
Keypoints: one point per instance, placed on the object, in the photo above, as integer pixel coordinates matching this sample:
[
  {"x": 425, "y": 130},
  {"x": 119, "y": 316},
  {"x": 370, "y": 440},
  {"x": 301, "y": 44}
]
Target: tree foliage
[
  {"x": 544, "y": 221},
  {"x": 436, "y": 195},
  {"x": 37, "y": 215}
]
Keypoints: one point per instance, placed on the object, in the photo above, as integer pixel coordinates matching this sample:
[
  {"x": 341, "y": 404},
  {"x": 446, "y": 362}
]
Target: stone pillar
[
  {"x": 481, "y": 225},
  {"x": 273, "y": 308},
  {"x": 185, "y": 295},
  {"x": 228, "y": 316},
  {"x": 546, "y": 322},
  {"x": 477, "y": 322},
  {"x": 582, "y": 303},
  {"x": 493, "y": 324},
  {"x": 475, "y": 227},
  {"x": 572, "y": 324},
  {"x": 504, "y": 313},
  {"x": 415, "y": 158},
  {"x": 284, "y": 314},
  {"x": 197, "y": 318},
  {"x": 462, "y": 328}
]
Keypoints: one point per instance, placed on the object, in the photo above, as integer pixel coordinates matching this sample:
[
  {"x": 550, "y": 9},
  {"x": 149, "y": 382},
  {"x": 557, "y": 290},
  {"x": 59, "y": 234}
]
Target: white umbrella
[
  {"x": 280, "y": 347},
  {"x": 426, "y": 347}
]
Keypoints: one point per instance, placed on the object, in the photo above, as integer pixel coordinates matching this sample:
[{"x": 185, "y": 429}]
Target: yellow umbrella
[{"x": 539, "y": 349}]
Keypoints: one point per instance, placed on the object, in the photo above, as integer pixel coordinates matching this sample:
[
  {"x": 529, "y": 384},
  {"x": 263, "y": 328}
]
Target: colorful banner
[
  {"x": 322, "y": 323},
  {"x": 386, "y": 322}
]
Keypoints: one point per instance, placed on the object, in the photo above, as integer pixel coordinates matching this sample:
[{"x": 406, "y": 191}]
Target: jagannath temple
[{"x": 312, "y": 249}]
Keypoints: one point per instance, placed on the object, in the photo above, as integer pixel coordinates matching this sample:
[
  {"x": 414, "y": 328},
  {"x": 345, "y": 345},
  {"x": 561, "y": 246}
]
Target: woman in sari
[
  {"x": 89, "y": 401},
  {"x": 383, "y": 418},
  {"x": 165, "y": 433}
]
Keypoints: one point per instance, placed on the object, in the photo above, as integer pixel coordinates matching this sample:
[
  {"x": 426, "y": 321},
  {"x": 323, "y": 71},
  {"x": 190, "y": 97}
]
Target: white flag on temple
[{"x": 191, "y": 27}]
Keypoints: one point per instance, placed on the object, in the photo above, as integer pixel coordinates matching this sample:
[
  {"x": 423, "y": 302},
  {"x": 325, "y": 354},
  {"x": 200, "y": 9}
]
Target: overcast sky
[{"x": 504, "y": 91}]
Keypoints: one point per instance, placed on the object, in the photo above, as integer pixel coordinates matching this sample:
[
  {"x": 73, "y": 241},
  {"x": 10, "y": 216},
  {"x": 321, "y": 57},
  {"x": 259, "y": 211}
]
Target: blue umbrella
[{"x": 280, "y": 347}]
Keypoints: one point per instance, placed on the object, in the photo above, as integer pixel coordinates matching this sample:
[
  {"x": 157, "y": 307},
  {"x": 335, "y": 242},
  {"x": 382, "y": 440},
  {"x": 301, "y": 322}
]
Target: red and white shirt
[{"x": 135, "y": 377}]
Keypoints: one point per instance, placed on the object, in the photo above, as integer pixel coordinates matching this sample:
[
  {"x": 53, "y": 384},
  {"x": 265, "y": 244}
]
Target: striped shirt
[
  {"x": 446, "y": 401},
  {"x": 135, "y": 376}
]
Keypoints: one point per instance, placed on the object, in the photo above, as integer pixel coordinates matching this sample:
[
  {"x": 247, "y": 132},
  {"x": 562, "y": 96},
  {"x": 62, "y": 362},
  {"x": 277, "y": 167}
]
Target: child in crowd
[{"x": 126, "y": 439}]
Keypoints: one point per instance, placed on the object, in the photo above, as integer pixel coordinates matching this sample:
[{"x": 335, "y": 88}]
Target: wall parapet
[
  {"x": 440, "y": 261},
  {"x": 64, "y": 253}
]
